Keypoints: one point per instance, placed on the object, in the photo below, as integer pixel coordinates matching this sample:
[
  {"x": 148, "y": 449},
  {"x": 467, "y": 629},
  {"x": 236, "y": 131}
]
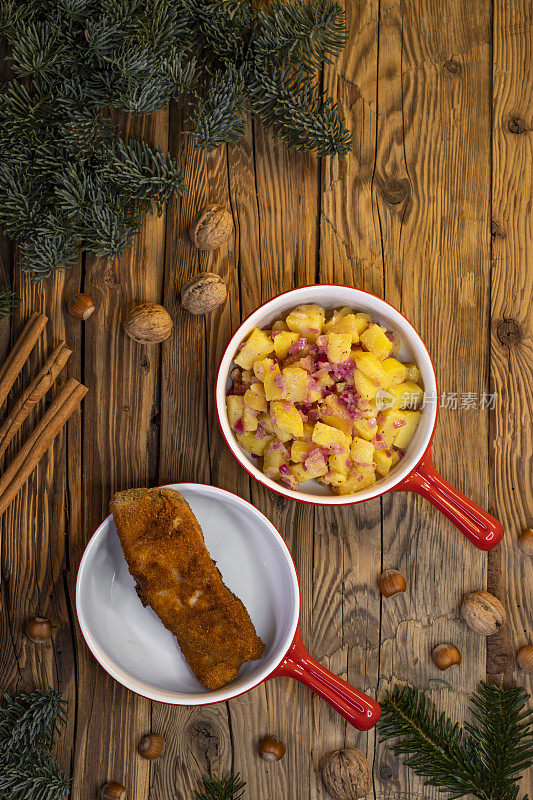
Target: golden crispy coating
[{"x": 175, "y": 575}]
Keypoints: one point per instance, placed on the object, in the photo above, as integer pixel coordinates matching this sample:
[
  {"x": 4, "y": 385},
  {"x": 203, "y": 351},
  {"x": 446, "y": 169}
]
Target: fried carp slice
[{"x": 175, "y": 575}]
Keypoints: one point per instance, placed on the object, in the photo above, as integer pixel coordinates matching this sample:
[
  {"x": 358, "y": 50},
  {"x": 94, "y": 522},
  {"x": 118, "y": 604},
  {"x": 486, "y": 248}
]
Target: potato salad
[{"x": 326, "y": 399}]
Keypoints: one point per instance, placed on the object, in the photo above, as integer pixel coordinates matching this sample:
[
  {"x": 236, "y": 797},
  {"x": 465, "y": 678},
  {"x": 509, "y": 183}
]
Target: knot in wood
[
  {"x": 110, "y": 279},
  {"x": 281, "y": 502},
  {"x": 452, "y": 66},
  {"x": 508, "y": 332},
  {"x": 144, "y": 363},
  {"x": 395, "y": 191},
  {"x": 517, "y": 125},
  {"x": 385, "y": 772},
  {"x": 497, "y": 230},
  {"x": 204, "y": 741}
]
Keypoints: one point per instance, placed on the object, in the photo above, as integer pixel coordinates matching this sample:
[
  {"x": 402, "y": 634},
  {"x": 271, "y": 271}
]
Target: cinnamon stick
[
  {"x": 18, "y": 356},
  {"x": 31, "y": 452},
  {"x": 35, "y": 391}
]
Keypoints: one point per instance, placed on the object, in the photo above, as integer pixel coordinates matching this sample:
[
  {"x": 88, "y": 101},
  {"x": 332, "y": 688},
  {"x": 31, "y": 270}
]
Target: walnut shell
[
  {"x": 483, "y": 612},
  {"x": 148, "y": 323},
  {"x": 203, "y": 293},
  {"x": 212, "y": 226},
  {"x": 346, "y": 774}
]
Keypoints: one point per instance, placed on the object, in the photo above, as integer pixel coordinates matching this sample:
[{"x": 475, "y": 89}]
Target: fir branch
[
  {"x": 231, "y": 788},
  {"x": 484, "y": 760},
  {"x": 28, "y": 723},
  {"x": 218, "y": 118},
  {"x": 8, "y": 301}
]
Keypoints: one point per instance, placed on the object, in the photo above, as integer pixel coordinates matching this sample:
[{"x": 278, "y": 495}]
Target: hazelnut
[
  {"x": 148, "y": 323},
  {"x": 525, "y": 658},
  {"x": 81, "y": 306},
  {"x": 39, "y": 630},
  {"x": 482, "y": 612},
  {"x": 113, "y": 791},
  {"x": 203, "y": 293},
  {"x": 346, "y": 774},
  {"x": 271, "y": 749},
  {"x": 151, "y": 746},
  {"x": 525, "y": 542},
  {"x": 391, "y": 582},
  {"x": 445, "y": 655},
  {"x": 211, "y": 227}
]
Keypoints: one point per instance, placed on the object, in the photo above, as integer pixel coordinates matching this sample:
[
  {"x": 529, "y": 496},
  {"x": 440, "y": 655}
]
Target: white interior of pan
[
  {"x": 412, "y": 349},
  {"x": 131, "y": 643}
]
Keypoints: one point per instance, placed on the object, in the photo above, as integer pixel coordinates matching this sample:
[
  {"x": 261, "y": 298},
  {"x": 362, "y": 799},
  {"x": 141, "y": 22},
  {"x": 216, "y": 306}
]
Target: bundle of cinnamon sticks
[{"x": 53, "y": 420}]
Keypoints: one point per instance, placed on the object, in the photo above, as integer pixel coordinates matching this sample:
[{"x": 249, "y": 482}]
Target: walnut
[
  {"x": 482, "y": 612},
  {"x": 346, "y": 774},
  {"x": 203, "y": 293},
  {"x": 211, "y": 227},
  {"x": 148, "y": 323}
]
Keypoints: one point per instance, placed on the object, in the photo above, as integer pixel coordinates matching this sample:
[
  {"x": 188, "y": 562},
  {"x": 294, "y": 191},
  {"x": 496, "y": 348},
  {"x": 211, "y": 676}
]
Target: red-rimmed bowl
[
  {"x": 131, "y": 644},
  {"x": 415, "y": 472}
]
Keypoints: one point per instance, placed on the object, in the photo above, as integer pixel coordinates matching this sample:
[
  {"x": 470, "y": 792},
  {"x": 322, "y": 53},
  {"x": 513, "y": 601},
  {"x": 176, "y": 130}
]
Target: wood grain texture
[{"x": 430, "y": 211}]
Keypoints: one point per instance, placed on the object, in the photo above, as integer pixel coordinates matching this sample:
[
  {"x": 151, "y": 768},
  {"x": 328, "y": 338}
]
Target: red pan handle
[
  {"x": 477, "y": 525},
  {"x": 360, "y": 710}
]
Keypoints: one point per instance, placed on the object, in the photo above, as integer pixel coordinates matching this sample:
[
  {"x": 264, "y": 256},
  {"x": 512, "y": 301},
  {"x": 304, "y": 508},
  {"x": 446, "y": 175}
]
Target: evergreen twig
[
  {"x": 485, "y": 759},
  {"x": 28, "y": 724},
  {"x": 8, "y": 301},
  {"x": 231, "y": 788}
]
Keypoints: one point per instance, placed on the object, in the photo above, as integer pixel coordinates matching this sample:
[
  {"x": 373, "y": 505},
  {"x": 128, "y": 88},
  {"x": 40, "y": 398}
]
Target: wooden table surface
[{"x": 431, "y": 211}]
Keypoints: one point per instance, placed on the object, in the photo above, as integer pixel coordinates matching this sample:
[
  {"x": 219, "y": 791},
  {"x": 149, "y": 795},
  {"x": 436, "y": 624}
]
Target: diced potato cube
[
  {"x": 266, "y": 423},
  {"x": 370, "y": 365},
  {"x": 357, "y": 480},
  {"x": 280, "y": 325},
  {"x": 362, "y": 451},
  {"x": 247, "y": 375},
  {"x": 333, "y": 479},
  {"x": 308, "y": 429},
  {"x": 249, "y": 441},
  {"x": 395, "y": 372},
  {"x": 338, "y": 462},
  {"x": 283, "y": 436},
  {"x": 283, "y": 341},
  {"x": 327, "y": 436},
  {"x": 414, "y": 373},
  {"x": 315, "y": 464},
  {"x": 314, "y": 395},
  {"x": 299, "y": 451},
  {"x": 287, "y": 418},
  {"x": 268, "y": 371},
  {"x": 383, "y": 461},
  {"x": 300, "y": 473},
  {"x": 249, "y": 419},
  {"x": 343, "y": 424},
  {"x": 325, "y": 381},
  {"x": 296, "y": 382},
  {"x": 365, "y": 429},
  {"x": 272, "y": 461},
  {"x": 254, "y": 400},
  {"x": 404, "y": 434},
  {"x": 365, "y": 387},
  {"x": 362, "y": 321},
  {"x": 235, "y": 408},
  {"x": 307, "y": 321},
  {"x": 376, "y": 341},
  {"x": 339, "y": 346},
  {"x": 395, "y": 457},
  {"x": 257, "y": 346},
  {"x": 407, "y": 395},
  {"x": 386, "y": 429},
  {"x": 343, "y": 324}
]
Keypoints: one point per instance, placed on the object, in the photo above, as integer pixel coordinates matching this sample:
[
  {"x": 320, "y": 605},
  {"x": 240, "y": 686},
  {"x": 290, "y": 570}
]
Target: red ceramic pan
[
  {"x": 415, "y": 472},
  {"x": 132, "y": 645}
]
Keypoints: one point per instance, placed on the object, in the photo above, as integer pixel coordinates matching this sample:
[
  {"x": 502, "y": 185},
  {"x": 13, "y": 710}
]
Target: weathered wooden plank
[
  {"x": 347, "y": 542},
  {"x": 510, "y": 438},
  {"x": 117, "y": 451},
  {"x": 199, "y": 740},
  {"x": 431, "y": 186}
]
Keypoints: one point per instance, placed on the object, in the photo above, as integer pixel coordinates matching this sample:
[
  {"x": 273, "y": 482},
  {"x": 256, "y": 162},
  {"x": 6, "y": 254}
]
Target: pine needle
[
  {"x": 485, "y": 759},
  {"x": 8, "y": 301},
  {"x": 231, "y": 788}
]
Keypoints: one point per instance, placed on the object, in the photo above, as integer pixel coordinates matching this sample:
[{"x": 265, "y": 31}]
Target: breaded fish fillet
[{"x": 175, "y": 575}]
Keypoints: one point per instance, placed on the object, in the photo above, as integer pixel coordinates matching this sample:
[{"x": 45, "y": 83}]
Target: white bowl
[
  {"x": 130, "y": 642},
  {"x": 413, "y": 349}
]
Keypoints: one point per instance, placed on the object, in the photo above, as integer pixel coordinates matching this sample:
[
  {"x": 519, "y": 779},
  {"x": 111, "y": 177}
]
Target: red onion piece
[{"x": 239, "y": 426}]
